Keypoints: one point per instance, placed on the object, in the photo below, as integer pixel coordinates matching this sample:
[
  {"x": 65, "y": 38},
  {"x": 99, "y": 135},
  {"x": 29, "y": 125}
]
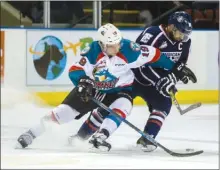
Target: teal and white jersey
[{"x": 112, "y": 73}]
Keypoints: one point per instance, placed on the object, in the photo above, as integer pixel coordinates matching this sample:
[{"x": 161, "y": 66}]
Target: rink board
[
  {"x": 21, "y": 72},
  {"x": 184, "y": 97}
]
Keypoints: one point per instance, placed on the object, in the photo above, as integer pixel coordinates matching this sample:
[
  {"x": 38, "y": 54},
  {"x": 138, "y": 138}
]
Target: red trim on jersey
[
  {"x": 155, "y": 121},
  {"x": 101, "y": 55},
  {"x": 120, "y": 55},
  {"x": 156, "y": 57},
  {"x": 74, "y": 68},
  {"x": 119, "y": 112},
  {"x": 126, "y": 85}
]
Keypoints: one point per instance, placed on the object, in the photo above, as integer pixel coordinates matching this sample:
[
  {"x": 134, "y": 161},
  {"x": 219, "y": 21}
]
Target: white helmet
[{"x": 109, "y": 34}]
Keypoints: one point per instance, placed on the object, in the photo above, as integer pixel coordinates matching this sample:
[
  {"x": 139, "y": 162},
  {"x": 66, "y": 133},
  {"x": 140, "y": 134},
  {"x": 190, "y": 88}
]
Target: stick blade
[
  {"x": 186, "y": 154},
  {"x": 191, "y": 107}
]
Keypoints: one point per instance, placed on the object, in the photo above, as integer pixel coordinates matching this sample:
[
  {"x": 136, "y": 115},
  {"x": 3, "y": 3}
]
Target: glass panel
[
  {"x": 138, "y": 14},
  {"x": 71, "y": 14},
  {"x": 22, "y": 13},
  {"x": 130, "y": 14}
]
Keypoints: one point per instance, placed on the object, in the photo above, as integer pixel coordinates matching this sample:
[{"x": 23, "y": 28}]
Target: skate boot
[
  {"x": 145, "y": 145},
  {"x": 25, "y": 139},
  {"x": 98, "y": 140}
]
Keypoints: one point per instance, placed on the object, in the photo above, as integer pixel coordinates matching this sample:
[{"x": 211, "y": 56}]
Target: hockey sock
[{"x": 155, "y": 122}]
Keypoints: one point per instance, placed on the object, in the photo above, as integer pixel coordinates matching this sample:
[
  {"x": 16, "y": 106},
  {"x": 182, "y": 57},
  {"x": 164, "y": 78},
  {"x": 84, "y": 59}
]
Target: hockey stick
[
  {"x": 183, "y": 111},
  {"x": 145, "y": 135}
]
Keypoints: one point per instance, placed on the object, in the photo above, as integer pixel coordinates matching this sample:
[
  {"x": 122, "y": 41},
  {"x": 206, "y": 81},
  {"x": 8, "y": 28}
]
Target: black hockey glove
[
  {"x": 165, "y": 84},
  {"x": 184, "y": 73},
  {"x": 85, "y": 88}
]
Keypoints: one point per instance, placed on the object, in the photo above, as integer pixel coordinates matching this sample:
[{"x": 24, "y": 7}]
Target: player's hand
[
  {"x": 184, "y": 73},
  {"x": 165, "y": 84},
  {"x": 85, "y": 88}
]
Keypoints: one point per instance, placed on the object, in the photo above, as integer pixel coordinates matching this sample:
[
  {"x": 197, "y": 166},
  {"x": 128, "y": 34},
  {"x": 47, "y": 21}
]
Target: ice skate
[
  {"x": 25, "y": 140},
  {"x": 145, "y": 145},
  {"x": 98, "y": 141}
]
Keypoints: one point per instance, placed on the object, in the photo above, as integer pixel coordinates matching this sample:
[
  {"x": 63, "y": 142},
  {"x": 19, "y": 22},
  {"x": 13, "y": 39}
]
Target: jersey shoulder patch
[
  {"x": 148, "y": 35},
  {"x": 135, "y": 46},
  {"x": 91, "y": 52},
  {"x": 85, "y": 50}
]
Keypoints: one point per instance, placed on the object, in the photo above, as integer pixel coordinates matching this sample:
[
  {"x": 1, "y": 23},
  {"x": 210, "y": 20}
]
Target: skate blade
[
  {"x": 145, "y": 149},
  {"x": 100, "y": 149}
]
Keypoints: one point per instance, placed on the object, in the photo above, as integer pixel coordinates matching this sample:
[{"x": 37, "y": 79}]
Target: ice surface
[{"x": 197, "y": 129}]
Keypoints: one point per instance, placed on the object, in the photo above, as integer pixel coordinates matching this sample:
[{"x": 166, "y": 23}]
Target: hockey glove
[
  {"x": 85, "y": 88},
  {"x": 165, "y": 84},
  {"x": 183, "y": 73}
]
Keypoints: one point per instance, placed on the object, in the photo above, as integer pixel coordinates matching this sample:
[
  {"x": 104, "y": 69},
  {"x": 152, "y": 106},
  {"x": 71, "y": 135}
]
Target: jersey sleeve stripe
[
  {"x": 156, "y": 57},
  {"x": 75, "y": 68}
]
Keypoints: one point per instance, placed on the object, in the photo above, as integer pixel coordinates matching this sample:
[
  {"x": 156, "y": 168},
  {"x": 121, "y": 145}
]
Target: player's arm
[
  {"x": 79, "y": 69},
  {"x": 79, "y": 75},
  {"x": 180, "y": 69},
  {"x": 185, "y": 52},
  {"x": 147, "y": 55},
  {"x": 148, "y": 38}
]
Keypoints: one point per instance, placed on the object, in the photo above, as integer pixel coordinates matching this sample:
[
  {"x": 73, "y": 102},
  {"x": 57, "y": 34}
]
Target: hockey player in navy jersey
[
  {"x": 103, "y": 72},
  {"x": 154, "y": 85},
  {"x": 154, "y": 82}
]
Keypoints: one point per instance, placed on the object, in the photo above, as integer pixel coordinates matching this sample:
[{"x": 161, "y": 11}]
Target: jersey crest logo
[
  {"x": 103, "y": 79},
  {"x": 173, "y": 56}
]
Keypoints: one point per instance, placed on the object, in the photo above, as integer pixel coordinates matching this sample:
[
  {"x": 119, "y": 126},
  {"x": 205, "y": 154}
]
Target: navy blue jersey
[{"x": 176, "y": 51}]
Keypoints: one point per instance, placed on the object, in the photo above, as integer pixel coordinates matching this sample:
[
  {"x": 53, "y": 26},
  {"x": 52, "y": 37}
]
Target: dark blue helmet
[{"x": 183, "y": 22}]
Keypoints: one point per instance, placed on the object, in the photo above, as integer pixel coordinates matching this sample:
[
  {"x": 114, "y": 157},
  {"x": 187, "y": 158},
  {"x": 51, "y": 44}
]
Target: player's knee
[
  {"x": 122, "y": 107},
  {"x": 62, "y": 114}
]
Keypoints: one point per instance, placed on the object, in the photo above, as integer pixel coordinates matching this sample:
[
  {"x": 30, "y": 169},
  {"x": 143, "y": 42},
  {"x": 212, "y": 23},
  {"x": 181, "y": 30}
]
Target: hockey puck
[{"x": 189, "y": 150}]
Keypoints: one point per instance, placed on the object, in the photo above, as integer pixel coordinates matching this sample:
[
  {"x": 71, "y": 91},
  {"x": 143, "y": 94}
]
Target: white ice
[{"x": 197, "y": 129}]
